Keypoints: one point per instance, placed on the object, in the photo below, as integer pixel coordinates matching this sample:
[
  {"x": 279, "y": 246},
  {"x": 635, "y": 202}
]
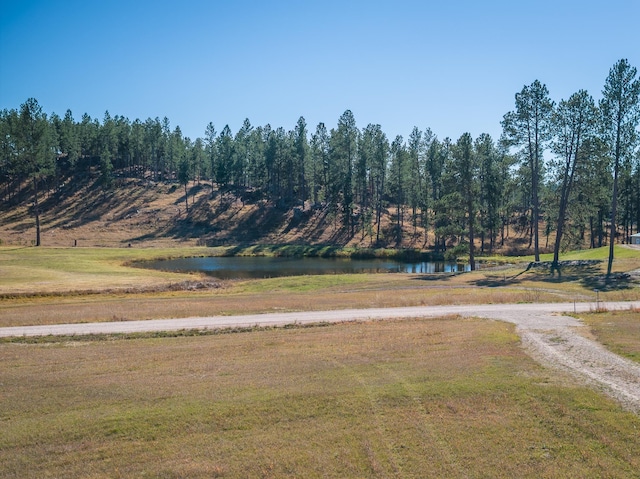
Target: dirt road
[{"x": 548, "y": 336}]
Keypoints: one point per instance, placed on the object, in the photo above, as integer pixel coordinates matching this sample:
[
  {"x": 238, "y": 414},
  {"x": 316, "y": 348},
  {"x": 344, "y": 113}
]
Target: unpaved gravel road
[{"x": 548, "y": 336}]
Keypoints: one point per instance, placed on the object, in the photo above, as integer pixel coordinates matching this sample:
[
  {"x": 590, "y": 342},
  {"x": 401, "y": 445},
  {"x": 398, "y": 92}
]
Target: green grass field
[{"x": 33, "y": 270}]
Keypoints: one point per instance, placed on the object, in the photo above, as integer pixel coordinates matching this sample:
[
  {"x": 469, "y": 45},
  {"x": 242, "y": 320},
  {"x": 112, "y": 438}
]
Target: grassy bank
[
  {"x": 415, "y": 398},
  {"x": 43, "y": 270}
]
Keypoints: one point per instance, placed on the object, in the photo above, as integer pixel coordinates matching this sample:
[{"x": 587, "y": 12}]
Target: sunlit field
[
  {"x": 435, "y": 398},
  {"x": 67, "y": 285},
  {"x": 416, "y": 398}
]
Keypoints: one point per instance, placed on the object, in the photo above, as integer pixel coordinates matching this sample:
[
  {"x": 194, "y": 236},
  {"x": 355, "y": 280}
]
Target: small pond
[{"x": 251, "y": 267}]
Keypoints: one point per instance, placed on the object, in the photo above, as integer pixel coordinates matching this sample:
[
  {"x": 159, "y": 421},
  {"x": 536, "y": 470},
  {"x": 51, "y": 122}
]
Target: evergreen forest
[{"x": 564, "y": 173}]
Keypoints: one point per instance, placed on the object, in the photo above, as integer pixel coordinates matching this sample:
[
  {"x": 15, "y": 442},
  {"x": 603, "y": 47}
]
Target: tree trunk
[
  {"x": 472, "y": 260},
  {"x": 567, "y": 182},
  {"x": 535, "y": 218},
  {"x": 36, "y": 209},
  {"x": 614, "y": 200},
  {"x": 614, "y": 207}
]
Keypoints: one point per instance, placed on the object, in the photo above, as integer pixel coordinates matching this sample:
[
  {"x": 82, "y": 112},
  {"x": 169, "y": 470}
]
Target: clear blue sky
[{"x": 453, "y": 66}]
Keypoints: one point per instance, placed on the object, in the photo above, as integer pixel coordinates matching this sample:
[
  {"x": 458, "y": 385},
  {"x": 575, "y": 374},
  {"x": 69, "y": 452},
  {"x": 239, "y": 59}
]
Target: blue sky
[{"x": 452, "y": 66}]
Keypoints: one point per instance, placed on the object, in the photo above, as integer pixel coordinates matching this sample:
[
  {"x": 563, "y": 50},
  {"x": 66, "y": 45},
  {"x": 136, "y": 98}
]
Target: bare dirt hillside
[{"x": 146, "y": 213}]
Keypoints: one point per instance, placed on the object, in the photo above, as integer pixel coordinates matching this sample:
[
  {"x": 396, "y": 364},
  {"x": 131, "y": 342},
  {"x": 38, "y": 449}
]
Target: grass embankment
[
  {"x": 50, "y": 285},
  {"x": 44, "y": 271},
  {"x": 414, "y": 398},
  {"x": 621, "y": 252}
]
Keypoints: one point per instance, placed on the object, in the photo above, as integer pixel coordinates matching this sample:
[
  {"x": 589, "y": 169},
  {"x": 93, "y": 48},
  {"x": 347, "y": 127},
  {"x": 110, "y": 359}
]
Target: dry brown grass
[
  {"x": 415, "y": 398},
  {"x": 262, "y": 296},
  {"x": 617, "y": 330}
]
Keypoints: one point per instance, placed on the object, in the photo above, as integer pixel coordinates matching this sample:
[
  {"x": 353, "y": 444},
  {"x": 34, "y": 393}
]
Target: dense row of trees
[{"x": 573, "y": 167}]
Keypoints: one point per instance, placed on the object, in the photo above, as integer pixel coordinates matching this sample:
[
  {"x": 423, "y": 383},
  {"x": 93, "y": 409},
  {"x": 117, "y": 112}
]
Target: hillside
[{"x": 146, "y": 213}]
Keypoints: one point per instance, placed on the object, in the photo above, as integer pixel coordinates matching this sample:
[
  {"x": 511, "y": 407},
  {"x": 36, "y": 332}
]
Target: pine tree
[
  {"x": 529, "y": 127},
  {"x": 573, "y": 124},
  {"x": 620, "y": 115},
  {"x": 36, "y": 151}
]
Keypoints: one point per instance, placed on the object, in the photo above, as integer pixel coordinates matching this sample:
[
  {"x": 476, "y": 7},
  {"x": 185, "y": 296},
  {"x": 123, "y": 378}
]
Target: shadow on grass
[
  {"x": 588, "y": 273},
  {"x": 567, "y": 271},
  {"x": 496, "y": 281},
  {"x": 616, "y": 282},
  {"x": 434, "y": 277}
]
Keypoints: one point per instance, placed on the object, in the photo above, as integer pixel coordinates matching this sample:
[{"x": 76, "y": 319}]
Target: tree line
[{"x": 572, "y": 168}]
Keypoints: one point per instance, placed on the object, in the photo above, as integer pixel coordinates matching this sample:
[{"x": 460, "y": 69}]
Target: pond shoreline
[{"x": 260, "y": 267}]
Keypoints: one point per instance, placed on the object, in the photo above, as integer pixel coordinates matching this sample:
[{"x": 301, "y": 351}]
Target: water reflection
[{"x": 268, "y": 267}]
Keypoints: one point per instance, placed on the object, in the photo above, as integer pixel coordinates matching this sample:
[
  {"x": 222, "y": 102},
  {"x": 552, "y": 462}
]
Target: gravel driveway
[
  {"x": 548, "y": 336},
  {"x": 555, "y": 341}
]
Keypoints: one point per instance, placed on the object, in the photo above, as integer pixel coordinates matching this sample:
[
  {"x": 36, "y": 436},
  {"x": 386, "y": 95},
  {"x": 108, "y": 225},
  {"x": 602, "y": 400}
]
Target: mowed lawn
[{"x": 444, "y": 397}]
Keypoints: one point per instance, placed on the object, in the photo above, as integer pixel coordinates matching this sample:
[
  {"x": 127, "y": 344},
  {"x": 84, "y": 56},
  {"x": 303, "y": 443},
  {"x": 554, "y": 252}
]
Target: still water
[{"x": 237, "y": 267}]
